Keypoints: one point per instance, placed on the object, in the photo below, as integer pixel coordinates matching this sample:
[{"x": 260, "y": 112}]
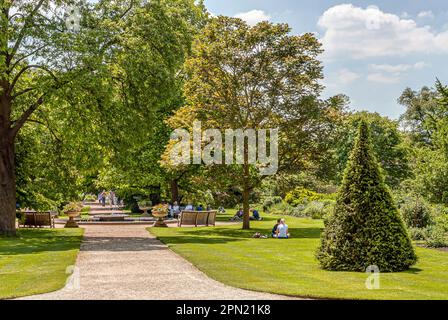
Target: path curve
[{"x": 120, "y": 262}]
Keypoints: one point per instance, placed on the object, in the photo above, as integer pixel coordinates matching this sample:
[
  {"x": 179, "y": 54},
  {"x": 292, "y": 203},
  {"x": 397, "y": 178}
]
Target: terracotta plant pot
[{"x": 159, "y": 214}]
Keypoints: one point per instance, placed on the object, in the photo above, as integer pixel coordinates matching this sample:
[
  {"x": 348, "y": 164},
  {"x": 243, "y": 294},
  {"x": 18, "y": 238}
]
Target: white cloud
[
  {"x": 355, "y": 32},
  {"x": 382, "y": 78},
  {"x": 253, "y": 17},
  {"x": 346, "y": 76},
  {"x": 405, "y": 15},
  {"x": 387, "y": 73},
  {"x": 421, "y": 65},
  {"x": 399, "y": 68},
  {"x": 426, "y": 14}
]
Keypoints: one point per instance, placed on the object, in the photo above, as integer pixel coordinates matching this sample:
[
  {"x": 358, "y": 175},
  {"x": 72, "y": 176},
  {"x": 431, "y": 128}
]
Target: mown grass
[
  {"x": 229, "y": 255},
  {"x": 36, "y": 260}
]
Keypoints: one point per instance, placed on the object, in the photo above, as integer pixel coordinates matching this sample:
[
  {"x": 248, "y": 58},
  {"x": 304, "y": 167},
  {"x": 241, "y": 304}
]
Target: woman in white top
[{"x": 282, "y": 230}]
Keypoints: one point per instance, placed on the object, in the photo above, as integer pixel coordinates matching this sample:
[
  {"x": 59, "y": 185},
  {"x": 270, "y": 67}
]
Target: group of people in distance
[
  {"x": 239, "y": 215},
  {"x": 175, "y": 209},
  {"x": 109, "y": 197}
]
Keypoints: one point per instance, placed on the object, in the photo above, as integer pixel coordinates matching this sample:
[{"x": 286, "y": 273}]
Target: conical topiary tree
[{"x": 365, "y": 228}]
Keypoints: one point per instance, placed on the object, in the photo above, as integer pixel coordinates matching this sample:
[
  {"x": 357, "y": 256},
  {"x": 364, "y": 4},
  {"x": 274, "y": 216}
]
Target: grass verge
[
  {"x": 36, "y": 260},
  {"x": 229, "y": 255}
]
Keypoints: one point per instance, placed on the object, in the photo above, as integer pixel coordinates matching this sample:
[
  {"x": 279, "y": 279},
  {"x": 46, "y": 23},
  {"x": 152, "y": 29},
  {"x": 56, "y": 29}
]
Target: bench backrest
[
  {"x": 38, "y": 219},
  {"x": 211, "y": 218},
  {"x": 188, "y": 218},
  {"x": 202, "y": 218}
]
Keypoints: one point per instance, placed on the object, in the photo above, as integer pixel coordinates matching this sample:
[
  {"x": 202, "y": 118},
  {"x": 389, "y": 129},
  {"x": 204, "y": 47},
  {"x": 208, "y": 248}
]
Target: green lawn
[
  {"x": 36, "y": 261},
  {"x": 229, "y": 255}
]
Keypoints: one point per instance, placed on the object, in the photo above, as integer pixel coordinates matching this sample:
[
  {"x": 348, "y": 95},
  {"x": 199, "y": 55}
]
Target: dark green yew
[{"x": 365, "y": 228}]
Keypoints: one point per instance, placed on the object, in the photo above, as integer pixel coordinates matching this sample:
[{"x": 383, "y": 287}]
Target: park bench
[
  {"x": 37, "y": 219},
  {"x": 197, "y": 218}
]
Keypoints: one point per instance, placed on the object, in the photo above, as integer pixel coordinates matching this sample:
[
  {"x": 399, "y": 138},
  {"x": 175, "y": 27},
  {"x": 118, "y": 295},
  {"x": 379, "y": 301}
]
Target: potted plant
[
  {"x": 72, "y": 210},
  {"x": 160, "y": 211}
]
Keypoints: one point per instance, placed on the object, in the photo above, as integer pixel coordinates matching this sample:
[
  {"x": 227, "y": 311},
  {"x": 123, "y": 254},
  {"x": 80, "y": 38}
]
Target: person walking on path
[
  {"x": 103, "y": 198},
  {"x": 111, "y": 199}
]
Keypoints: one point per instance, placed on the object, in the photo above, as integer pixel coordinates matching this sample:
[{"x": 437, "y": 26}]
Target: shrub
[
  {"x": 90, "y": 197},
  {"x": 318, "y": 209},
  {"x": 365, "y": 227},
  {"x": 416, "y": 213},
  {"x": 301, "y": 195},
  {"x": 441, "y": 217},
  {"x": 270, "y": 201},
  {"x": 282, "y": 208},
  {"x": 437, "y": 238},
  {"x": 85, "y": 209},
  {"x": 418, "y": 233}
]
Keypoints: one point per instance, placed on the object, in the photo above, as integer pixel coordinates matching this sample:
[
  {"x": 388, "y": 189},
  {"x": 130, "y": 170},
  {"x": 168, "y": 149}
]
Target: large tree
[
  {"x": 426, "y": 124},
  {"x": 48, "y": 72},
  {"x": 260, "y": 77},
  {"x": 387, "y": 143}
]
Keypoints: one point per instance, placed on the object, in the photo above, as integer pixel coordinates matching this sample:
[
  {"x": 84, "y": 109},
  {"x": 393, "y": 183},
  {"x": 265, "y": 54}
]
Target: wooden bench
[
  {"x": 197, "y": 218},
  {"x": 37, "y": 219}
]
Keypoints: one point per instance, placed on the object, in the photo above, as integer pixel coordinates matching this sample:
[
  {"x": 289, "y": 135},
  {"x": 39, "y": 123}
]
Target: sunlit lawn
[
  {"x": 36, "y": 261},
  {"x": 229, "y": 255}
]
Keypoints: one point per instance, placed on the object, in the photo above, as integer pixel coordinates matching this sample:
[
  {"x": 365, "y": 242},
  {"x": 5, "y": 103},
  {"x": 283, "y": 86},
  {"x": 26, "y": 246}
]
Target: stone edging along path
[{"x": 123, "y": 262}]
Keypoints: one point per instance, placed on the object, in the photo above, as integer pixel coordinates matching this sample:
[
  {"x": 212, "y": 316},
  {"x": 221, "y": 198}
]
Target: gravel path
[{"x": 119, "y": 262}]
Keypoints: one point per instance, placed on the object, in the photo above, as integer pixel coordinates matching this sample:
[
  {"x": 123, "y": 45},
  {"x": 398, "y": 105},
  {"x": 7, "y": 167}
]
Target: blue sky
[{"x": 374, "y": 49}]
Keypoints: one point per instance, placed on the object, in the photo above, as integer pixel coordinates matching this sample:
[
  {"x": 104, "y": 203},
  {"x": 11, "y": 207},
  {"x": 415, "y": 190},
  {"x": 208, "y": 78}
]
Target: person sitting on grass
[
  {"x": 282, "y": 230},
  {"x": 274, "y": 229},
  {"x": 238, "y": 216},
  {"x": 255, "y": 215}
]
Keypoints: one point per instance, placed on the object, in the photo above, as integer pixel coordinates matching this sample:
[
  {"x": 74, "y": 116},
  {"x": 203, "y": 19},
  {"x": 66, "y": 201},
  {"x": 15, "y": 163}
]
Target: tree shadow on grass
[
  {"x": 31, "y": 241},
  {"x": 305, "y": 233},
  {"x": 183, "y": 239},
  {"x": 222, "y": 235}
]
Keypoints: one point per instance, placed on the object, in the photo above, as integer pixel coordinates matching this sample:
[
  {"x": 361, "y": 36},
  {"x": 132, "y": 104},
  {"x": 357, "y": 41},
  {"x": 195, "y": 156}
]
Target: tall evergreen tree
[{"x": 365, "y": 228}]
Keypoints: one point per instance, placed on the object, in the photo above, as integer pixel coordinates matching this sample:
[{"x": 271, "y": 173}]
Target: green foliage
[
  {"x": 437, "y": 237},
  {"x": 90, "y": 197},
  {"x": 282, "y": 208},
  {"x": 426, "y": 125},
  {"x": 387, "y": 144},
  {"x": 430, "y": 170},
  {"x": 419, "y": 233},
  {"x": 300, "y": 196},
  {"x": 85, "y": 209},
  {"x": 312, "y": 209},
  {"x": 319, "y": 209},
  {"x": 232, "y": 61},
  {"x": 416, "y": 213},
  {"x": 365, "y": 228},
  {"x": 72, "y": 207},
  {"x": 270, "y": 201},
  {"x": 441, "y": 217}
]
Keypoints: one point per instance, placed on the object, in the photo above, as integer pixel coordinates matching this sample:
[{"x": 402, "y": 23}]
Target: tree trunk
[
  {"x": 7, "y": 188},
  {"x": 246, "y": 189},
  {"x": 174, "y": 191}
]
